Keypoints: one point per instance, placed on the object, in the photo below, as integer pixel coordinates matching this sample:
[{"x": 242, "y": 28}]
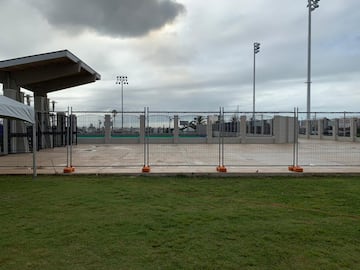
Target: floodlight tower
[
  {"x": 122, "y": 80},
  {"x": 256, "y": 50},
  {"x": 312, "y": 5}
]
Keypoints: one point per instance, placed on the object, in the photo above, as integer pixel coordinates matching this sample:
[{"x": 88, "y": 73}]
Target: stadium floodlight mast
[
  {"x": 122, "y": 80},
  {"x": 256, "y": 50},
  {"x": 312, "y": 5}
]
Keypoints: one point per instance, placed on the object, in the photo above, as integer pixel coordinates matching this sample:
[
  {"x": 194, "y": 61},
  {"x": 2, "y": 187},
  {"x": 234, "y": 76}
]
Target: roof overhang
[{"x": 48, "y": 72}]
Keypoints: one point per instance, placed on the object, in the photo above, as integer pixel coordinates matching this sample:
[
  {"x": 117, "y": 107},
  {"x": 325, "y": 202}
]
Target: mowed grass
[{"x": 113, "y": 222}]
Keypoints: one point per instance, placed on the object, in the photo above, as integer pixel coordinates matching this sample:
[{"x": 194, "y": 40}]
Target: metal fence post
[
  {"x": 34, "y": 146},
  {"x": 68, "y": 168},
  {"x": 296, "y": 167},
  {"x": 221, "y": 167},
  {"x": 146, "y": 167},
  {"x": 71, "y": 139}
]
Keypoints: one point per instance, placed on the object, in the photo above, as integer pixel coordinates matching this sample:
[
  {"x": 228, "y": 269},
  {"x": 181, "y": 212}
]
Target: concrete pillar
[
  {"x": 281, "y": 129},
  {"x": 142, "y": 128},
  {"x": 335, "y": 129},
  {"x": 17, "y": 144},
  {"x": 321, "y": 128},
  {"x": 237, "y": 127},
  {"x": 48, "y": 129},
  {"x": 42, "y": 108},
  {"x": 243, "y": 128},
  {"x": 290, "y": 129},
  {"x": 107, "y": 125},
  {"x": 353, "y": 129},
  {"x": 176, "y": 129}
]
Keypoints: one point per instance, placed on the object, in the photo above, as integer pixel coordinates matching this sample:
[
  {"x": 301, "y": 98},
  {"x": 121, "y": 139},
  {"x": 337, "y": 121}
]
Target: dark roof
[{"x": 48, "y": 72}]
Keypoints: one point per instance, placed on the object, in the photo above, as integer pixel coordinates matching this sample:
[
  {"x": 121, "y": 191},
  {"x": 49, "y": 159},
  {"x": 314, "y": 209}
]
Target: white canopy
[{"x": 10, "y": 108}]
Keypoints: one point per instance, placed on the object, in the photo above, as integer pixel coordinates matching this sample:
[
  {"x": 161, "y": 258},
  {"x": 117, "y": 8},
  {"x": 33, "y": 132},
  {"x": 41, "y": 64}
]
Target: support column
[
  {"x": 107, "y": 125},
  {"x": 290, "y": 129},
  {"x": 18, "y": 144},
  {"x": 335, "y": 129},
  {"x": 321, "y": 128},
  {"x": 176, "y": 129},
  {"x": 353, "y": 129},
  {"x": 281, "y": 129},
  {"x": 42, "y": 108}
]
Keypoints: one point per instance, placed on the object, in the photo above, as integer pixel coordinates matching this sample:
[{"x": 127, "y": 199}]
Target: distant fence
[
  {"x": 219, "y": 138},
  {"x": 330, "y": 126},
  {"x": 183, "y": 127}
]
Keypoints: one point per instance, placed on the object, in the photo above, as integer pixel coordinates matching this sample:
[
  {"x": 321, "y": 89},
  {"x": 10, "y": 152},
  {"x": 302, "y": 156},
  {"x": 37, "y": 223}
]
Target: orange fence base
[
  {"x": 296, "y": 169},
  {"x": 146, "y": 169},
  {"x": 69, "y": 169},
  {"x": 221, "y": 169}
]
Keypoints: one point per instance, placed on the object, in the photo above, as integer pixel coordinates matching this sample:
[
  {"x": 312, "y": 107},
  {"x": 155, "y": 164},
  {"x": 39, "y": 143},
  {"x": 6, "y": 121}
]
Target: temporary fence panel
[
  {"x": 53, "y": 135},
  {"x": 114, "y": 143},
  {"x": 262, "y": 139},
  {"x": 109, "y": 139},
  {"x": 90, "y": 124},
  {"x": 258, "y": 123},
  {"x": 19, "y": 140},
  {"x": 332, "y": 139},
  {"x": 125, "y": 125},
  {"x": 182, "y": 139}
]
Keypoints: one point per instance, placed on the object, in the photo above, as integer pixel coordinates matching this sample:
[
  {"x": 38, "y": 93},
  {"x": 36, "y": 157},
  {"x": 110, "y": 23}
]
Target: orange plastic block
[
  {"x": 221, "y": 169},
  {"x": 69, "y": 169}
]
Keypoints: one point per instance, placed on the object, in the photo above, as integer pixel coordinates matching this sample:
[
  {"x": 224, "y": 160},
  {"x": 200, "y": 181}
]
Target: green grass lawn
[{"x": 113, "y": 222}]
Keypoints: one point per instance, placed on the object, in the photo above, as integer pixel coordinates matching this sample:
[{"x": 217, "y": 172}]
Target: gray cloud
[
  {"x": 201, "y": 62},
  {"x": 126, "y": 18}
]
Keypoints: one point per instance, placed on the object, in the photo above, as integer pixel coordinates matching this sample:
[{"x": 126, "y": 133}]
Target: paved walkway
[{"x": 314, "y": 156}]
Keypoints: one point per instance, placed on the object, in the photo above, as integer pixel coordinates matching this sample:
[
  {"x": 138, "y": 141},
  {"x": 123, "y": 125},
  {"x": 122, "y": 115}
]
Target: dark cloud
[{"x": 126, "y": 18}]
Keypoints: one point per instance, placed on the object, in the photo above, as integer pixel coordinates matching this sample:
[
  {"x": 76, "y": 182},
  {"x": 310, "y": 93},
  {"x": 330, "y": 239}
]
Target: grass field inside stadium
[{"x": 119, "y": 222}]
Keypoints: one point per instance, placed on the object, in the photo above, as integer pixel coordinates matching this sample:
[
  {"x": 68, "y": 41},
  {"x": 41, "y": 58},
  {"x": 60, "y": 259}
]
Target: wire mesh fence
[
  {"x": 122, "y": 124},
  {"x": 329, "y": 139},
  {"x": 180, "y": 139},
  {"x": 165, "y": 139},
  {"x": 91, "y": 124}
]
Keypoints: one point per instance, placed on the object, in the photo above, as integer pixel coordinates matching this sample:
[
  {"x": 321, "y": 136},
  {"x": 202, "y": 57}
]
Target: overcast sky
[{"x": 195, "y": 55}]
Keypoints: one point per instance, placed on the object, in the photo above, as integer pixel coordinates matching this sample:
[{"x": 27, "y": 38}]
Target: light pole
[
  {"x": 312, "y": 5},
  {"x": 256, "y": 50},
  {"x": 122, "y": 80}
]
